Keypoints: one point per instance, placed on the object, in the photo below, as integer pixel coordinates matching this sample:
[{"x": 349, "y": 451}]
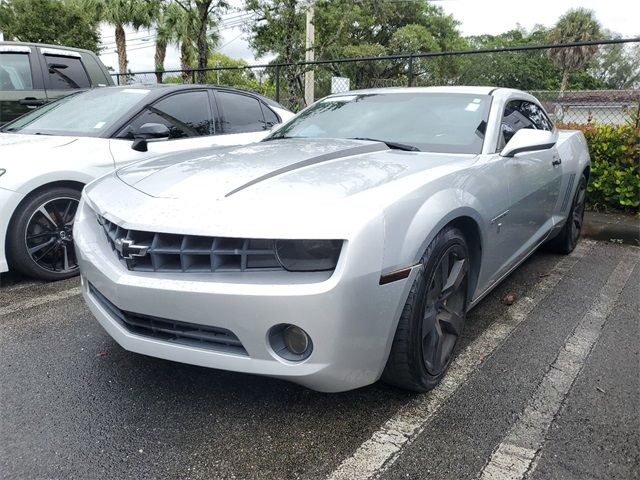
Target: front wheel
[
  {"x": 433, "y": 317},
  {"x": 40, "y": 237}
]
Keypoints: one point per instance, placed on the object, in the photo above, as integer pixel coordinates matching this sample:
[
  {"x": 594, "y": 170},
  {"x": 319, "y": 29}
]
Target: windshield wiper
[
  {"x": 392, "y": 145},
  {"x": 280, "y": 137}
]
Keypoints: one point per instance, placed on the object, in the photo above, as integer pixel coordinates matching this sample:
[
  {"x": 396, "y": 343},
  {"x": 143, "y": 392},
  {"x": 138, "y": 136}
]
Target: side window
[
  {"x": 513, "y": 120},
  {"x": 537, "y": 116},
  {"x": 270, "y": 117},
  {"x": 185, "y": 114},
  {"x": 65, "y": 73},
  {"x": 241, "y": 113},
  {"x": 15, "y": 72}
]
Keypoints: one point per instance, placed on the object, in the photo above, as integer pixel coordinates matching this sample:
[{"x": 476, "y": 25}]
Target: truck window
[
  {"x": 15, "y": 72},
  {"x": 65, "y": 73}
]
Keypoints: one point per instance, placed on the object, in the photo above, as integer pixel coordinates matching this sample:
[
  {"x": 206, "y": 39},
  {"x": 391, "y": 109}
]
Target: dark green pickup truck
[{"x": 33, "y": 74}]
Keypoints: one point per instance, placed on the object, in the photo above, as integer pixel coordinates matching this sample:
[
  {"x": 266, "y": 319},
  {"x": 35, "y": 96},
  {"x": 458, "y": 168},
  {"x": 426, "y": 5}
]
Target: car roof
[
  {"x": 444, "y": 89},
  {"x": 158, "y": 90},
  {"x": 47, "y": 45}
]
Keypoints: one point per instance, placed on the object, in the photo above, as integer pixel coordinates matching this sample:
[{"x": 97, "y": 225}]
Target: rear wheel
[
  {"x": 433, "y": 317},
  {"x": 40, "y": 237},
  {"x": 569, "y": 236}
]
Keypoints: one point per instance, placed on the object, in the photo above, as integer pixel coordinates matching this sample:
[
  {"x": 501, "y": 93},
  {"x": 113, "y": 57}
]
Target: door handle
[
  {"x": 32, "y": 102},
  {"x": 556, "y": 161}
]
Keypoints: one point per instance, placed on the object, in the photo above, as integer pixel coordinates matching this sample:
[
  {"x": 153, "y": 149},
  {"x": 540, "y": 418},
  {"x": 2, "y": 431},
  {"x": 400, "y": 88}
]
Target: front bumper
[{"x": 350, "y": 318}]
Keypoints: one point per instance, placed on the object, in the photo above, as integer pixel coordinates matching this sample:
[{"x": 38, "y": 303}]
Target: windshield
[
  {"x": 84, "y": 114},
  {"x": 431, "y": 122}
]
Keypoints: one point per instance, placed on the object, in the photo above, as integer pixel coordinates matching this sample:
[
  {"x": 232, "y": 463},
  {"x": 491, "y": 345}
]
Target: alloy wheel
[
  {"x": 49, "y": 235},
  {"x": 578, "y": 213},
  {"x": 444, "y": 311}
]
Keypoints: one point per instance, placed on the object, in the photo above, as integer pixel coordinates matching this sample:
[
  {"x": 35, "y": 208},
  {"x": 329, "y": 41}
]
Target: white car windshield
[
  {"x": 83, "y": 114},
  {"x": 432, "y": 122}
]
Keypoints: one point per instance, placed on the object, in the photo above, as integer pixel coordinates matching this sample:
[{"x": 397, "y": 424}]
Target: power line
[
  {"x": 223, "y": 19},
  {"x": 152, "y": 36}
]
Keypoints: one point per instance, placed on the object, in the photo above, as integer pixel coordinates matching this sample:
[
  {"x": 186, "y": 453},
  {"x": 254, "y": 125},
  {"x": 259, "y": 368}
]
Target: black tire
[
  {"x": 40, "y": 245},
  {"x": 415, "y": 362},
  {"x": 569, "y": 236}
]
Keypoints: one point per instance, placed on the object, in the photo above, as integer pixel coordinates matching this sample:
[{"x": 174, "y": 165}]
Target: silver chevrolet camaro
[{"x": 346, "y": 247}]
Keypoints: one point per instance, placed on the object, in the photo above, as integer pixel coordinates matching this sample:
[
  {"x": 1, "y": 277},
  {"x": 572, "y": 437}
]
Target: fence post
[
  {"x": 277, "y": 83},
  {"x": 118, "y": 78},
  {"x": 638, "y": 115},
  {"x": 193, "y": 76},
  {"x": 410, "y": 82}
]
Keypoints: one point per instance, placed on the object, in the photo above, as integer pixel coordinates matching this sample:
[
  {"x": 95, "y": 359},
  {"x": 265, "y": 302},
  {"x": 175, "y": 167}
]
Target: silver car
[{"x": 346, "y": 247}]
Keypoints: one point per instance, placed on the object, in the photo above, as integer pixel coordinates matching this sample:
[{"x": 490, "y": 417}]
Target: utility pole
[{"x": 309, "y": 76}]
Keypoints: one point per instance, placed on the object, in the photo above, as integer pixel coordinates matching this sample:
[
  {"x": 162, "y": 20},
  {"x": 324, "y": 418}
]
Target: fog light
[
  {"x": 295, "y": 339},
  {"x": 290, "y": 342}
]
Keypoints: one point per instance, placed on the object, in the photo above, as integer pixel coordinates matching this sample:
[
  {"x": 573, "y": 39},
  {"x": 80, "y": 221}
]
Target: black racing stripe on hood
[{"x": 359, "y": 150}]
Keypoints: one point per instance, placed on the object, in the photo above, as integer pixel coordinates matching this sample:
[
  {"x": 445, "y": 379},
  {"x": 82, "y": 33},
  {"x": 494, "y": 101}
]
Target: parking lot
[{"x": 547, "y": 387}]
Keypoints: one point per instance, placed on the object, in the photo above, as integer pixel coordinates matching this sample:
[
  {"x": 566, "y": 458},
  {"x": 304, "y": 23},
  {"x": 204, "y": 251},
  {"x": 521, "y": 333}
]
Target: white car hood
[
  {"x": 17, "y": 141},
  {"x": 284, "y": 169},
  {"x": 32, "y": 160}
]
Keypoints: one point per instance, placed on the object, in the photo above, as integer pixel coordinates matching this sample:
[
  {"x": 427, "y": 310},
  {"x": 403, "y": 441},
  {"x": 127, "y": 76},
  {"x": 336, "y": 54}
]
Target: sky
[{"x": 476, "y": 17}]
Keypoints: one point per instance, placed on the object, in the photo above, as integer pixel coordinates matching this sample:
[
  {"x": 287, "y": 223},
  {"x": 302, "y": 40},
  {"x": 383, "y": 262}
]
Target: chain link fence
[{"x": 525, "y": 68}]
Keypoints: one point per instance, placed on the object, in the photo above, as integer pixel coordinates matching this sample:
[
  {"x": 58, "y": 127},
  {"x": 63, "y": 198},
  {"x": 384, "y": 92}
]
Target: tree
[
  {"x": 525, "y": 70},
  {"x": 174, "y": 26},
  {"x": 239, "y": 77},
  {"x": 58, "y": 22},
  {"x": 577, "y": 25},
  {"x": 200, "y": 16},
  {"x": 347, "y": 28},
  {"x": 617, "y": 66},
  {"x": 127, "y": 13},
  {"x": 164, "y": 35}
]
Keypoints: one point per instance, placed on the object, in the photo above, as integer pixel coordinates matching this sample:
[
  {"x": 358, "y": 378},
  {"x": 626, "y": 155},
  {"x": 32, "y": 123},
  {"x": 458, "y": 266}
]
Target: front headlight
[{"x": 308, "y": 255}]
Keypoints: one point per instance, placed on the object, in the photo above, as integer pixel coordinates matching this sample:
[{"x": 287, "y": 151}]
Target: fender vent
[{"x": 567, "y": 193}]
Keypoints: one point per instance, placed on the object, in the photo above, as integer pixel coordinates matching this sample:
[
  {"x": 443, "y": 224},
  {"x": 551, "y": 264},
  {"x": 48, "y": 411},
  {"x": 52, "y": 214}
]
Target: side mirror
[
  {"x": 146, "y": 132},
  {"x": 152, "y": 130},
  {"x": 528, "y": 140}
]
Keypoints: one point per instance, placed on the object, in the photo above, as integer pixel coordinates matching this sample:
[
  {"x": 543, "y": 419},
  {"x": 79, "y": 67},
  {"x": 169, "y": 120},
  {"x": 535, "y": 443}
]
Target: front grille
[
  {"x": 165, "y": 252},
  {"x": 173, "y": 331}
]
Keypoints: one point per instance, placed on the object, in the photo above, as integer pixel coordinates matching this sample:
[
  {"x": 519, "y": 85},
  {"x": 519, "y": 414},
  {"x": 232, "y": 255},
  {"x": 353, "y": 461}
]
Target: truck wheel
[
  {"x": 40, "y": 236},
  {"x": 569, "y": 236},
  {"x": 433, "y": 317}
]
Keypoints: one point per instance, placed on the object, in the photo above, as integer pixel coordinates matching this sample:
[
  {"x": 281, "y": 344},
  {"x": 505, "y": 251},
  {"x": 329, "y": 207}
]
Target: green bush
[{"x": 615, "y": 165}]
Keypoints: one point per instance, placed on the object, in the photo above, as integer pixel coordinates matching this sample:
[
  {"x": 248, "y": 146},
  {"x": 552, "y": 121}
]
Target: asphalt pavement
[{"x": 548, "y": 387}]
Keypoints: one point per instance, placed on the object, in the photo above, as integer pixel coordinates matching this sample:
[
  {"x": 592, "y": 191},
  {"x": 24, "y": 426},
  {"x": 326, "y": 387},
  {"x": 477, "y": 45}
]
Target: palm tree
[
  {"x": 165, "y": 34},
  {"x": 180, "y": 24},
  {"x": 202, "y": 16},
  {"x": 577, "y": 25},
  {"x": 127, "y": 13}
]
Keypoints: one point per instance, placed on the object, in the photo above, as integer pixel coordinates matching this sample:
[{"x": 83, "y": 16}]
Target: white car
[
  {"x": 48, "y": 155},
  {"x": 345, "y": 247}
]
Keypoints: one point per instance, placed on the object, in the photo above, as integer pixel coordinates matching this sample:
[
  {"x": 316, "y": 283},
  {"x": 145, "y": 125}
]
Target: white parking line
[
  {"x": 513, "y": 458},
  {"x": 34, "y": 302},
  {"x": 382, "y": 449}
]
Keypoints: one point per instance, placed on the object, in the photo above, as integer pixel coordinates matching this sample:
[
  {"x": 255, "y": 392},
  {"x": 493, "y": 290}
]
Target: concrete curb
[{"x": 612, "y": 227}]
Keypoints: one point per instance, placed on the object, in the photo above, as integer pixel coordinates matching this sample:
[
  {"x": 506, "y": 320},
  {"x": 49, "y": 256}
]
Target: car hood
[
  {"x": 17, "y": 141},
  {"x": 279, "y": 169}
]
